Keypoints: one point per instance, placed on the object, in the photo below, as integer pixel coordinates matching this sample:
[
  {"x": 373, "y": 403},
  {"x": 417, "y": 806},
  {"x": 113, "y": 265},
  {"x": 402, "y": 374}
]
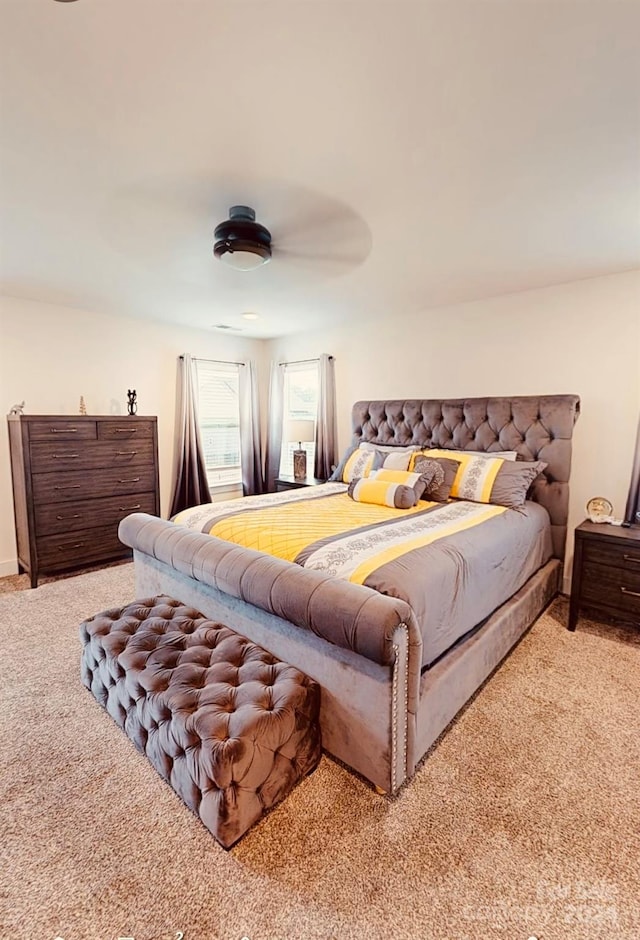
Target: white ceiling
[{"x": 413, "y": 153}]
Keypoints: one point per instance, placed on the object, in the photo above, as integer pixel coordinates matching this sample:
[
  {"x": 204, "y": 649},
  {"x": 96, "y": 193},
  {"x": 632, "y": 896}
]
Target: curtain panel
[
  {"x": 326, "y": 422},
  {"x": 632, "y": 510},
  {"x": 274, "y": 425},
  {"x": 250, "y": 452},
  {"x": 190, "y": 486}
]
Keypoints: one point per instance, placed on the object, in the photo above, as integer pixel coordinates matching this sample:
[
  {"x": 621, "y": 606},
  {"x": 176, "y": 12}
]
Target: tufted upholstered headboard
[{"x": 537, "y": 427}]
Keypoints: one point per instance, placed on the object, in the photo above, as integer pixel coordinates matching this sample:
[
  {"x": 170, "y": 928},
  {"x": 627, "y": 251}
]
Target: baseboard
[{"x": 8, "y": 567}]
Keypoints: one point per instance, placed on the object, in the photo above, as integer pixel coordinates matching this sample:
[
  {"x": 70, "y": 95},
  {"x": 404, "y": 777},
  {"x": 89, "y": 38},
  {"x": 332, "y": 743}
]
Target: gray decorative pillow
[
  {"x": 489, "y": 479},
  {"x": 439, "y": 474},
  {"x": 513, "y": 481}
]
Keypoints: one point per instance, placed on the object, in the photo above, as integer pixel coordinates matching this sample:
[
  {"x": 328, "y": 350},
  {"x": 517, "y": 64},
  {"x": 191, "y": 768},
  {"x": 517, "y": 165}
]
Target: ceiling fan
[
  {"x": 307, "y": 235},
  {"x": 335, "y": 239},
  {"x": 241, "y": 242}
]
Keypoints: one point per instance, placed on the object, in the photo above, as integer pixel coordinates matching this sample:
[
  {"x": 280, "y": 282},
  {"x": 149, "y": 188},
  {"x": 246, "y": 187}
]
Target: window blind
[{"x": 219, "y": 420}]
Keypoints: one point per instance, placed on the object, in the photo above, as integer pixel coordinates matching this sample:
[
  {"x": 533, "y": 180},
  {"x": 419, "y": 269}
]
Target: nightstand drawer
[
  {"x": 618, "y": 556},
  {"x": 617, "y": 588}
]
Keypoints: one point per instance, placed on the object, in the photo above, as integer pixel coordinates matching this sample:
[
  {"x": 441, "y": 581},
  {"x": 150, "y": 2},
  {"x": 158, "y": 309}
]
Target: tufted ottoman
[{"x": 227, "y": 725}]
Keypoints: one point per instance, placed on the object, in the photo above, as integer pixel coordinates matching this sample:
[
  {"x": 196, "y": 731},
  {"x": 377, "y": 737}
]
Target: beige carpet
[{"x": 523, "y": 821}]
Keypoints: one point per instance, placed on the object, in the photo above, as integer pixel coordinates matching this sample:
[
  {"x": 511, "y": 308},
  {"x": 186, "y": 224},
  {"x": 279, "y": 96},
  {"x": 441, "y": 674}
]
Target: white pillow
[
  {"x": 389, "y": 448},
  {"x": 505, "y": 454}
]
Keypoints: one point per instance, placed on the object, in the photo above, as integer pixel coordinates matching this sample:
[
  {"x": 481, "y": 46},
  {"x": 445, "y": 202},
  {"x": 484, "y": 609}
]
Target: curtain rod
[
  {"x": 226, "y": 362},
  {"x": 297, "y": 362}
]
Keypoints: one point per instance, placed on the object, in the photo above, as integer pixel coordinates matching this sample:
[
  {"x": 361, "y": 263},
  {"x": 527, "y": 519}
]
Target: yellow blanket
[
  {"x": 284, "y": 532},
  {"x": 345, "y": 538}
]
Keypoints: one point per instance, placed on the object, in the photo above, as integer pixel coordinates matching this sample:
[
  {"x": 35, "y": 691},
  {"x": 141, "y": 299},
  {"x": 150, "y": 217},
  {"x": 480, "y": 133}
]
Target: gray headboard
[{"x": 537, "y": 427}]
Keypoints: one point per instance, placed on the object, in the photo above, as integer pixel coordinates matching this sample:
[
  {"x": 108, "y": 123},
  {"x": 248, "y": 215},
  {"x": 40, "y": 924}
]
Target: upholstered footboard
[
  {"x": 363, "y": 648},
  {"x": 378, "y": 714}
]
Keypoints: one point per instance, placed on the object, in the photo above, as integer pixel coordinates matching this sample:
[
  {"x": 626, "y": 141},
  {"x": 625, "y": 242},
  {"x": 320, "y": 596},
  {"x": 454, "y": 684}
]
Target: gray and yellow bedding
[{"x": 454, "y": 562}]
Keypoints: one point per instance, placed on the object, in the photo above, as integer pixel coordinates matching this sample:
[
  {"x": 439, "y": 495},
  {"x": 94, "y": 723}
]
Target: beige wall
[
  {"x": 582, "y": 337},
  {"x": 50, "y": 356}
]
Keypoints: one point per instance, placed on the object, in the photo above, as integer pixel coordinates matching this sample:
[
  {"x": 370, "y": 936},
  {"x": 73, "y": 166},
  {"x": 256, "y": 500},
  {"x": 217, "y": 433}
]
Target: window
[
  {"x": 219, "y": 419},
  {"x": 300, "y": 402}
]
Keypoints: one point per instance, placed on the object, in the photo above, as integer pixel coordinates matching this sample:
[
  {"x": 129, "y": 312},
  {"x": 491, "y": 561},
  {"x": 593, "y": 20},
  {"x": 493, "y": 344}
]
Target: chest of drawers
[
  {"x": 606, "y": 572},
  {"x": 74, "y": 479}
]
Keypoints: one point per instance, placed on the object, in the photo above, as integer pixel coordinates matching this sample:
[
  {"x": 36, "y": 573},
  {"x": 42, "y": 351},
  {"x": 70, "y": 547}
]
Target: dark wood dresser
[
  {"x": 74, "y": 479},
  {"x": 606, "y": 572}
]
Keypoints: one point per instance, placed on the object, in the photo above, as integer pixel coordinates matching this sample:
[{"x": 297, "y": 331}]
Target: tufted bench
[{"x": 227, "y": 725}]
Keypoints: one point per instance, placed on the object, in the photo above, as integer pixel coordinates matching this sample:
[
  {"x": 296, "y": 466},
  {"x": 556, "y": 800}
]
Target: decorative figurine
[
  {"x": 17, "y": 409},
  {"x": 132, "y": 404},
  {"x": 83, "y": 407}
]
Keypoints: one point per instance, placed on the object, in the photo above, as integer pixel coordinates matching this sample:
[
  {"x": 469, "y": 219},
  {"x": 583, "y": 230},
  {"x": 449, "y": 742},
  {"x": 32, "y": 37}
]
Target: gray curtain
[
  {"x": 190, "y": 487},
  {"x": 250, "y": 454},
  {"x": 632, "y": 511},
  {"x": 326, "y": 433},
  {"x": 274, "y": 425}
]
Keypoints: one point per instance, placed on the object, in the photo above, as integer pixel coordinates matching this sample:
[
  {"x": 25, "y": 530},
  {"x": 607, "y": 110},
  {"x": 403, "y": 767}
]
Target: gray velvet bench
[{"x": 227, "y": 725}]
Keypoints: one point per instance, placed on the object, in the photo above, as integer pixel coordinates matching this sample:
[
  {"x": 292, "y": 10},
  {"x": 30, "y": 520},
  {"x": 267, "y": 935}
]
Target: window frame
[
  {"x": 287, "y": 447},
  {"x": 219, "y": 475}
]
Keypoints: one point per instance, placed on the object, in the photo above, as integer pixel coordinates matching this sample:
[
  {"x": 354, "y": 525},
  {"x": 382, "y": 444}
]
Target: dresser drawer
[
  {"x": 48, "y": 456},
  {"x": 79, "y": 484},
  {"x": 617, "y": 555},
  {"x": 62, "y": 551},
  {"x": 90, "y": 513},
  {"x": 62, "y": 429},
  {"x": 617, "y": 588},
  {"x": 124, "y": 430}
]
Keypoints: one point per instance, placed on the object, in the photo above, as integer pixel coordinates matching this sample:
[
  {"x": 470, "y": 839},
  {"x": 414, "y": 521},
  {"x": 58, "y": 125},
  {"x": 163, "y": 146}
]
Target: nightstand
[
  {"x": 606, "y": 572},
  {"x": 290, "y": 483}
]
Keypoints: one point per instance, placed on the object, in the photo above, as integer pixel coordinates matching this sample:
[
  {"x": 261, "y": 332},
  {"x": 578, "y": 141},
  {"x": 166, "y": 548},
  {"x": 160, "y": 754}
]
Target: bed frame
[{"x": 380, "y": 712}]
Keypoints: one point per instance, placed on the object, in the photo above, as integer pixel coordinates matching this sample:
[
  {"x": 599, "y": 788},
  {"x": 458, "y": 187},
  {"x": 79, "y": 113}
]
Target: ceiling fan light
[
  {"x": 241, "y": 242},
  {"x": 242, "y": 257}
]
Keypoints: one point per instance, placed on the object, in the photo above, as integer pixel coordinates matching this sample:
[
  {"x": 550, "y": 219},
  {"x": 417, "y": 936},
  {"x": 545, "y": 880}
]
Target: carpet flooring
[{"x": 523, "y": 821}]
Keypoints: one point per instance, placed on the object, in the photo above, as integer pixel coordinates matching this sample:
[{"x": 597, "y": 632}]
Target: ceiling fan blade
[{"x": 341, "y": 263}]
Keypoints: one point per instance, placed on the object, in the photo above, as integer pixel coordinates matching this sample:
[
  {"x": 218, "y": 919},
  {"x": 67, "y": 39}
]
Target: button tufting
[{"x": 179, "y": 691}]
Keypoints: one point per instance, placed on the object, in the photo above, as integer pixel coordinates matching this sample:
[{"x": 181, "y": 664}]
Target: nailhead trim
[{"x": 395, "y": 782}]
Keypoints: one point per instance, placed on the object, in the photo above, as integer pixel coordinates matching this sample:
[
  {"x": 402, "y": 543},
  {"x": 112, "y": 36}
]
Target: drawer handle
[
  {"x": 126, "y": 453},
  {"x": 128, "y": 508},
  {"x": 126, "y": 430},
  {"x": 135, "y": 480},
  {"x": 62, "y": 548},
  {"x": 63, "y": 430},
  {"x": 634, "y": 558},
  {"x": 63, "y": 456},
  {"x": 632, "y": 593},
  {"x": 69, "y": 486},
  {"x": 76, "y": 515}
]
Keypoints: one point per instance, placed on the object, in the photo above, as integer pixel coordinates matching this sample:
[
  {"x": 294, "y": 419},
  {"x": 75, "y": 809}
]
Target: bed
[{"x": 397, "y": 648}]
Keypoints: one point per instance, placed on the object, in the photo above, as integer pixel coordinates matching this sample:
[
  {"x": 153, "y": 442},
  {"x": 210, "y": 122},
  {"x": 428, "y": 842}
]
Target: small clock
[{"x": 599, "y": 509}]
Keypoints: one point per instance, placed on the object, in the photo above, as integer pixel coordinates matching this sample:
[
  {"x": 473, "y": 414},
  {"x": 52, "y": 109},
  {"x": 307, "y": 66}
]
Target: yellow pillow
[
  {"x": 490, "y": 479},
  {"x": 474, "y": 477},
  {"x": 358, "y": 464},
  {"x": 383, "y": 493}
]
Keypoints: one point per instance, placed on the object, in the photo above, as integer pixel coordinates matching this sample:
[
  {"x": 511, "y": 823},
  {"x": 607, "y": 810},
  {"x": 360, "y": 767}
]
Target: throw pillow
[{"x": 439, "y": 474}]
